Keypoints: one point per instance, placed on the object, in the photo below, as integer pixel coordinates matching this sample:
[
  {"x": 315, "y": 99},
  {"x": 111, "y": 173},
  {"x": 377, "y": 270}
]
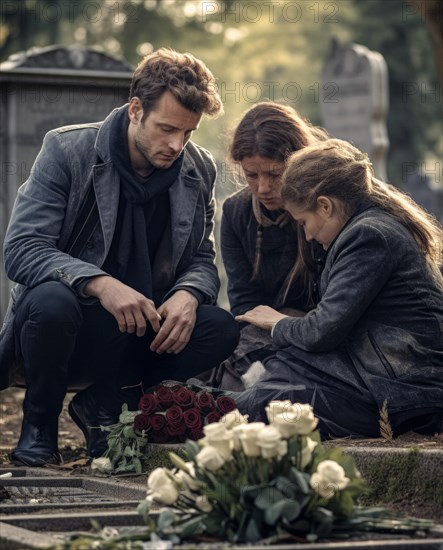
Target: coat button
[{"x": 89, "y": 244}]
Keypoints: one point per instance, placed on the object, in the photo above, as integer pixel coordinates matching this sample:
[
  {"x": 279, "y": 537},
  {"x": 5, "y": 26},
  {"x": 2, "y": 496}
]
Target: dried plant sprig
[{"x": 385, "y": 426}]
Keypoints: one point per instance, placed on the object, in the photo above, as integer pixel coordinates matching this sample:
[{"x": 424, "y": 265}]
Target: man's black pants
[{"x": 64, "y": 343}]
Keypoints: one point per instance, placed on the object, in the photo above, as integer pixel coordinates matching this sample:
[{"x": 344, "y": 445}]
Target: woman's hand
[{"x": 262, "y": 316}]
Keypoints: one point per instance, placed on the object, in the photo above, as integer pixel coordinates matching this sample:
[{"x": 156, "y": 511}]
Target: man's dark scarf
[{"x": 129, "y": 259}]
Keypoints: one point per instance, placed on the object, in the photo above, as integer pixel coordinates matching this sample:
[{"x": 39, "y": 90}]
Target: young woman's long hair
[
  {"x": 274, "y": 131},
  {"x": 335, "y": 168}
]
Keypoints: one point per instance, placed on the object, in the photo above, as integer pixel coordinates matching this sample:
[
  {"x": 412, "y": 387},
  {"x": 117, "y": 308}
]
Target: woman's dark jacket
[
  {"x": 376, "y": 333},
  {"x": 279, "y": 250}
]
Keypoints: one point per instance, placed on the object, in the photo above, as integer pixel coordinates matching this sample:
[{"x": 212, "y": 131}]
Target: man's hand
[
  {"x": 262, "y": 316},
  {"x": 130, "y": 308},
  {"x": 179, "y": 315}
]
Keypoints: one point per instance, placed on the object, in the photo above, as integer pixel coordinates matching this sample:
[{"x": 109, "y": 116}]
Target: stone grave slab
[{"x": 47, "y": 505}]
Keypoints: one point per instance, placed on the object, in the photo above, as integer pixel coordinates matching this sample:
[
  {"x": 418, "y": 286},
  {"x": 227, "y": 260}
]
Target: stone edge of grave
[{"x": 19, "y": 538}]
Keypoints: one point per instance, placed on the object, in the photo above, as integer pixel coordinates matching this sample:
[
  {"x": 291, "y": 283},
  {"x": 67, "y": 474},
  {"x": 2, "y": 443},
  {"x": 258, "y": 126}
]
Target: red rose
[
  {"x": 174, "y": 415},
  {"x": 148, "y": 403},
  {"x": 192, "y": 419},
  {"x": 164, "y": 396},
  {"x": 204, "y": 400},
  {"x": 157, "y": 421},
  {"x": 213, "y": 416},
  {"x": 174, "y": 431},
  {"x": 160, "y": 437},
  {"x": 141, "y": 422},
  {"x": 183, "y": 397},
  {"x": 195, "y": 435},
  {"x": 225, "y": 404}
]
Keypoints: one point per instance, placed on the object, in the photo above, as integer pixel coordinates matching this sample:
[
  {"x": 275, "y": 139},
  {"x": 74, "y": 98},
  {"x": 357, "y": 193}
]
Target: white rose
[
  {"x": 306, "y": 419},
  {"x": 186, "y": 480},
  {"x": 220, "y": 438},
  {"x": 277, "y": 407},
  {"x": 328, "y": 479},
  {"x": 161, "y": 487},
  {"x": 209, "y": 458},
  {"x": 102, "y": 464},
  {"x": 306, "y": 453},
  {"x": 232, "y": 419},
  {"x": 191, "y": 469},
  {"x": 269, "y": 440},
  {"x": 203, "y": 504},
  {"x": 236, "y": 431},
  {"x": 297, "y": 420},
  {"x": 215, "y": 430},
  {"x": 286, "y": 424},
  {"x": 248, "y": 438}
]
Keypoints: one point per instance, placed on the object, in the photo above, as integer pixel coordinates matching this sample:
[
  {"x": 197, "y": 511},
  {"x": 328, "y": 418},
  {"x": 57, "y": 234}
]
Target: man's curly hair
[{"x": 186, "y": 77}]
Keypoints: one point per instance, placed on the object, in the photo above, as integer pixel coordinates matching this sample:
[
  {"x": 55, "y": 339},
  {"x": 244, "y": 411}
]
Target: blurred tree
[
  {"x": 432, "y": 12},
  {"x": 258, "y": 50},
  {"x": 414, "y": 119}
]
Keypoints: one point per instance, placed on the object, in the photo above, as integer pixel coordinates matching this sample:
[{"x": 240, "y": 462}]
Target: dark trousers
[{"x": 65, "y": 343}]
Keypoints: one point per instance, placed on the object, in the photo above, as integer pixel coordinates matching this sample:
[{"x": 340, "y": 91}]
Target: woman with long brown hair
[
  {"x": 375, "y": 336},
  {"x": 258, "y": 238}
]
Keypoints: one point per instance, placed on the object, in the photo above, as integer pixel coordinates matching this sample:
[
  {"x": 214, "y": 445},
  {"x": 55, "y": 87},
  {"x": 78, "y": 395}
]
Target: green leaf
[
  {"x": 192, "y": 449},
  {"x": 290, "y": 509},
  {"x": 178, "y": 462},
  {"x": 301, "y": 480},
  {"x": 287, "y": 488},
  {"x": 115, "y": 457},
  {"x": 357, "y": 487},
  {"x": 137, "y": 465},
  {"x": 129, "y": 451},
  {"x": 248, "y": 493},
  {"x": 127, "y": 417},
  {"x": 143, "y": 509},
  {"x": 214, "y": 525},
  {"x": 345, "y": 503},
  {"x": 267, "y": 497},
  {"x": 128, "y": 431},
  {"x": 294, "y": 445},
  {"x": 96, "y": 526},
  {"x": 113, "y": 442},
  {"x": 323, "y": 520},
  {"x": 347, "y": 462},
  {"x": 124, "y": 407},
  {"x": 165, "y": 519},
  {"x": 252, "y": 533},
  {"x": 193, "y": 527}
]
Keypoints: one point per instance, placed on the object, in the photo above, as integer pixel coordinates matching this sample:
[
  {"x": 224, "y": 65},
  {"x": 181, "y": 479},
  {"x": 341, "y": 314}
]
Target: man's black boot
[
  {"x": 37, "y": 445},
  {"x": 95, "y": 407}
]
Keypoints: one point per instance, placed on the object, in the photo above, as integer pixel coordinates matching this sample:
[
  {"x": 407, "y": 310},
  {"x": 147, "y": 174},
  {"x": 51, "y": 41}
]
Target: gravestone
[
  {"x": 42, "y": 89},
  {"x": 354, "y": 100}
]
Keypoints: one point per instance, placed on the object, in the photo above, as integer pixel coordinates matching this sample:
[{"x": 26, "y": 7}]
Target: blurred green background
[
  {"x": 270, "y": 49},
  {"x": 260, "y": 49}
]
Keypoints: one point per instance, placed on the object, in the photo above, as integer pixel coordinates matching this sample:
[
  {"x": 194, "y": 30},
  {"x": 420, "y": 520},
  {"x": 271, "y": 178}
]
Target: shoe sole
[{"x": 51, "y": 461}]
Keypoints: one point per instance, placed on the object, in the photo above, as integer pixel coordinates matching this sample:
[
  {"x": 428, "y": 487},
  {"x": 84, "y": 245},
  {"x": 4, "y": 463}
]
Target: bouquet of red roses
[
  {"x": 169, "y": 413},
  {"x": 173, "y": 414}
]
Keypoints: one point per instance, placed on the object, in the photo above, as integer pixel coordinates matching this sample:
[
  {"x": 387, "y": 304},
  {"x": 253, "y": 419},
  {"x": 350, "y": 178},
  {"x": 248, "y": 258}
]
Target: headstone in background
[
  {"x": 42, "y": 89},
  {"x": 354, "y": 100}
]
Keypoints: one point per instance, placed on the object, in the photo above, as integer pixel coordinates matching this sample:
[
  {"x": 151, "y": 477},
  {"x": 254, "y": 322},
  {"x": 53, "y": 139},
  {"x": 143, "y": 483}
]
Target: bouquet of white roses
[
  {"x": 248, "y": 482},
  {"x": 245, "y": 482}
]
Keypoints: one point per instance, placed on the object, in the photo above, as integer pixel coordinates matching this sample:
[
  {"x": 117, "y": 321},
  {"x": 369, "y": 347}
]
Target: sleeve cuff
[
  {"x": 272, "y": 329},
  {"x": 196, "y": 293}
]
